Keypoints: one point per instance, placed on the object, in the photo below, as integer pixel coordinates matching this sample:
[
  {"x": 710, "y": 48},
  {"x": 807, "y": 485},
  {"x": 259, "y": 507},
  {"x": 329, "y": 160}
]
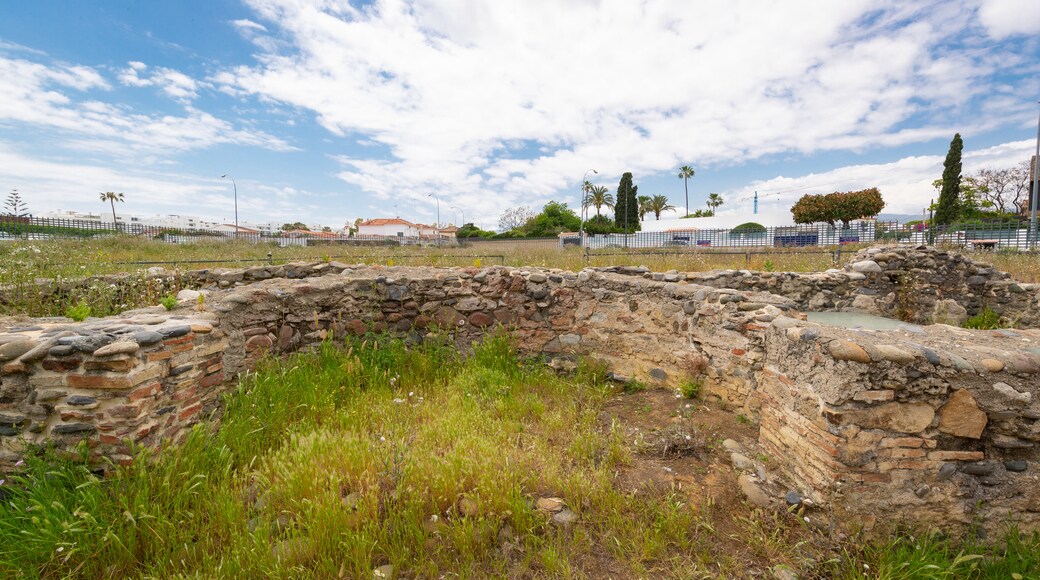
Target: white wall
[{"x": 388, "y": 230}]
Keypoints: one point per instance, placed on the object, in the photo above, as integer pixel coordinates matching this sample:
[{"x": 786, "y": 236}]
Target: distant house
[
  {"x": 230, "y": 230},
  {"x": 312, "y": 234},
  {"x": 388, "y": 228},
  {"x": 448, "y": 233}
]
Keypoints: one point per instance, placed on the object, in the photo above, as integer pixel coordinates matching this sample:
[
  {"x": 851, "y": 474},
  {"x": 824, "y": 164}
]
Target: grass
[
  {"x": 986, "y": 319},
  {"x": 332, "y": 463},
  {"x": 36, "y": 274}
]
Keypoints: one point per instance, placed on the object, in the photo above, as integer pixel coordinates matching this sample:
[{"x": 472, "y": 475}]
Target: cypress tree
[
  {"x": 626, "y": 205},
  {"x": 948, "y": 208}
]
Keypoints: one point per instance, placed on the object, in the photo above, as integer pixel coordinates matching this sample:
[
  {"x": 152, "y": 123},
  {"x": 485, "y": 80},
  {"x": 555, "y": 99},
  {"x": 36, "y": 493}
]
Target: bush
[
  {"x": 601, "y": 224},
  {"x": 691, "y": 389},
  {"x": 79, "y": 312},
  {"x": 749, "y": 228},
  {"x": 986, "y": 319},
  {"x": 169, "y": 301}
]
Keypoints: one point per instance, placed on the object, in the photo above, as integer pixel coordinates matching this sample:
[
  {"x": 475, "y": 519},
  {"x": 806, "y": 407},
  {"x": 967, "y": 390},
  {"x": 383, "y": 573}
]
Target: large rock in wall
[{"x": 936, "y": 421}]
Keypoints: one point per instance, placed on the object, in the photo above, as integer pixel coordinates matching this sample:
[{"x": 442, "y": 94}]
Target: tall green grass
[{"x": 365, "y": 453}]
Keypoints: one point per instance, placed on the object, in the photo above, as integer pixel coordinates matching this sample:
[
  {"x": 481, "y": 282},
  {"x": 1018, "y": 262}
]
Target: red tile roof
[{"x": 388, "y": 222}]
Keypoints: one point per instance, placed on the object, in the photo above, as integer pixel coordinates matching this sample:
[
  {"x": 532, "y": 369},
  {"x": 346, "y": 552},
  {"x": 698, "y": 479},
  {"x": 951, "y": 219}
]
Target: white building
[
  {"x": 67, "y": 214},
  {"x": 389, "y": 228}
]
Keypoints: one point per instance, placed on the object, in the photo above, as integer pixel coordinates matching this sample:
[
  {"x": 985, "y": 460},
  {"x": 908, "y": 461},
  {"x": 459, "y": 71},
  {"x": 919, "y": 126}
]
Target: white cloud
[
  {"x": 905, "y": 184},
  {"x": 174, "y": 84},
  {"x": 245, "y": 24},
  {"x": 59, "y": 184},
  {"x": 614, "y": 84},
  {"x": 59, "y": 97},
  {"x": 1006, "y": 17}
]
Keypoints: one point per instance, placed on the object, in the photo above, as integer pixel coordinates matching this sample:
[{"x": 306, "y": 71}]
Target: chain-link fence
[{"x": 1009, "y": 234}]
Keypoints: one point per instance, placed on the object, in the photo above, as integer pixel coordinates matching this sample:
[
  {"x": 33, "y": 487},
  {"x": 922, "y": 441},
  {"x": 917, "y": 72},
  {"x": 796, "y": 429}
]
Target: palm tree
[
  {"x": 658, "y": 204},
  {"x": 685, "y": 173},
  {"x": 644, "y": 206},
  {"x": 598, "y": 196},
  {"x": 112, "y": 197},
  {"x": 714, "y": 201}
]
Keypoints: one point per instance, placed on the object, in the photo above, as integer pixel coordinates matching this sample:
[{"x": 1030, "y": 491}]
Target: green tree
[
  {"x": 948, "y": 209},
  {"x": 600, "y": 224},
  {"x": 112, "y": 197},
  {"x": 626, "y": 208},
  {"x": 471, "y": 231},
  {"x": 555, "y": 218},
  {"x": 644, "y": 205},
  {"x": 658, "y": 204},
  {"x": 294, "y": 226},
  {"x": 15, "y": 205},
  {"x": 838, "y": 206},
  {"x": 598, "y": 196},
  {"x": 714, "y": 201},
  {"x": 700, "y": 213},
  {"x": 685, "y": 173}
]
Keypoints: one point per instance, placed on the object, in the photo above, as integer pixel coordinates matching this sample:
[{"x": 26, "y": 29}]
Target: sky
[{"x": 324, "y": 111}]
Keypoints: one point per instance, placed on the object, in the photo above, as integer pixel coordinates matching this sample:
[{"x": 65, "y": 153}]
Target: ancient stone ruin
[{"x": 930, "y": 423}]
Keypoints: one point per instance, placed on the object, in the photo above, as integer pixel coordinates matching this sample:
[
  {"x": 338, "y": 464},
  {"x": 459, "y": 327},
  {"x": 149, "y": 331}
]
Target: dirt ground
[{"x": 679, "y": 449}]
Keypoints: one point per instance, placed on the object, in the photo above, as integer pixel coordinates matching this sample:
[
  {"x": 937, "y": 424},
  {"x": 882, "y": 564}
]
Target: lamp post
[
  {"x": 456, "y": 208},
  {"x": 437, "y": 226},
  {"x": 581, "y": 216},
  {"x": 1036, "y": 187},
  {"x": 235, "y": 186}
]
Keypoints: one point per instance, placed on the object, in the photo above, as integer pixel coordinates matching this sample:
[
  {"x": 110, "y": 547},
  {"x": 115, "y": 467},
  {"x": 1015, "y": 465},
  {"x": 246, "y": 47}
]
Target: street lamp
[
  {"x": 463, "y": 213},
  {"x": 581, "y": 218},
  {"x": 235, "y": 186},
  {"x": 437, "y": 226}
]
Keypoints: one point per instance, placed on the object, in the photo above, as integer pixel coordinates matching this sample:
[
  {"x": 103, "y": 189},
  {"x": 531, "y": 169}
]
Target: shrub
[
  {"x": 691, "y": 389},
  {"x": 986, "y": 319},
  {"x": 169, "y": 301},
  {"x": 749, "y": 228},
  {"x": 79, "y": 312}
]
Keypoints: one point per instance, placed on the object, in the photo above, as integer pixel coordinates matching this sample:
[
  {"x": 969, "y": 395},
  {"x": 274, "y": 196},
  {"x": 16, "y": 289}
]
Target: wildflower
[
  {"x": 19, "y": 463},
  {"x": 2, "y": 481}
]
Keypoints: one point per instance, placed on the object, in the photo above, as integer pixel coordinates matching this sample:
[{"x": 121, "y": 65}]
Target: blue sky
[{"x": 328, "y": 110}]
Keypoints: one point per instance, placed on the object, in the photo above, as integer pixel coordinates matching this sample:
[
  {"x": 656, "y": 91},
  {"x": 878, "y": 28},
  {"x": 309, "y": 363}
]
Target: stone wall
[
  {"x": 935, "y": 423},
  {"x": 921, "y": 284},
  {"x": 142, "y": 378},
  {"x": 936, "y": 420}
]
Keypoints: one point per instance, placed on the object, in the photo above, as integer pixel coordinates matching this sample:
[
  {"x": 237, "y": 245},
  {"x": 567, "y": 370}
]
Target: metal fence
[
  {"x": 996, "y": 235},
  {"x": 34, "y": 228},
  {"x": 1010, "y": 235}
]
